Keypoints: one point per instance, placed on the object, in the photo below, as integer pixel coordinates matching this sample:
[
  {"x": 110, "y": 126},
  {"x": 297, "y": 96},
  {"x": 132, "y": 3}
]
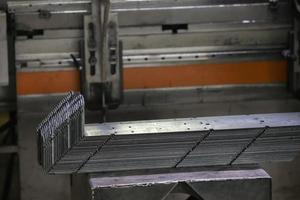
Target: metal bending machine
[{"x": 206, "y": 158}]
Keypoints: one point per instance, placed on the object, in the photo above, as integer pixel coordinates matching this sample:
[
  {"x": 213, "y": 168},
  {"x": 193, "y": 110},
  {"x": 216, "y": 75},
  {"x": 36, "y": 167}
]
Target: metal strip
[
  {"x": 248, "y": 145},
  {"x": 192, "y": 149},
  {"x": 95, "y": 152}
]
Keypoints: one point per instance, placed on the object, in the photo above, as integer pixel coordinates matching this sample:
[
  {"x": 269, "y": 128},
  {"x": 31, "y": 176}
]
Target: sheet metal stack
[
  {"x": 61, "y": 130},
  {"x": 69, "y": 146}
]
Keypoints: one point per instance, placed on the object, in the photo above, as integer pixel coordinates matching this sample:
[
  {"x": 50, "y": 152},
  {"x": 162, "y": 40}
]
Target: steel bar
[
  {"x": 66, "y": 145},
  {"x": 127, "y": 179}
]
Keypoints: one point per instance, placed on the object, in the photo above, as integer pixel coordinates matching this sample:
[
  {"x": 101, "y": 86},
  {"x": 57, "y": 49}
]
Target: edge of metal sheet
[
  {"x": 167, "y": 177},
  {"x": 193, "y": 124}
]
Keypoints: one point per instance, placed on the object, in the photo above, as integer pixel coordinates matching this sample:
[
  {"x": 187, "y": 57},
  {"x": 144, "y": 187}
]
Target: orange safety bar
[
  {"x": 247, "y": 72},
  {"x": 47, "y": 82},
  {"x": 206, "y": 74}
]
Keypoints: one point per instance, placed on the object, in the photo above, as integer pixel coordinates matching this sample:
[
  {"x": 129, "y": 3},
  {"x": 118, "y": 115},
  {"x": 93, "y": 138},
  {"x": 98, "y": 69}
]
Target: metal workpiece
[
  {"x": 4, "y": 76},
  {"x": 69, "y": 146},
  {"x": 209, "y": 184},
  {"x": 66, "y": 117}
]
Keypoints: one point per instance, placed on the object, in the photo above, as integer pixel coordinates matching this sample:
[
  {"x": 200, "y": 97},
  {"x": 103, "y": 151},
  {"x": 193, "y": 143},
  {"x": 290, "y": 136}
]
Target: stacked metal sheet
[
  {"x": 61, "y": 130},
  {"x": 69, "y": 146}
]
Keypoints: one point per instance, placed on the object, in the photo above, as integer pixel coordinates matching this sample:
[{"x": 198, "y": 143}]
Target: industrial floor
[{"x": 156, "y": 104}]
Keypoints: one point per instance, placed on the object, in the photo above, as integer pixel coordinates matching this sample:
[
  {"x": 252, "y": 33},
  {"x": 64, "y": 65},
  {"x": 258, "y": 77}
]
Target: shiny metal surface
[
  {"x": 173, "y": 143},
  {"x": 98, "y": 181},
  {"x": 209, "y": 184},
  {"x": 194, "y": 124}
]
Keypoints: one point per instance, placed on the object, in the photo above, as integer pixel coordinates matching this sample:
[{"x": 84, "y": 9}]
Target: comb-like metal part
[
  {"x": 67, "y": 145},
  {"x": 61, "y": 129}
]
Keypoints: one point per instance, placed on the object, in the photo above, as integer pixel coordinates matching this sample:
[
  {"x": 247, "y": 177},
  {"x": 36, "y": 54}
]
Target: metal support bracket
[{"x": 202, "y": 184}]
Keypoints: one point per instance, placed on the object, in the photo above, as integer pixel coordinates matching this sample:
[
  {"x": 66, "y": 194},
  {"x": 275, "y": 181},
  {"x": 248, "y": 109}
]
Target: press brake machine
[{"x": 151, "y": 159}]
